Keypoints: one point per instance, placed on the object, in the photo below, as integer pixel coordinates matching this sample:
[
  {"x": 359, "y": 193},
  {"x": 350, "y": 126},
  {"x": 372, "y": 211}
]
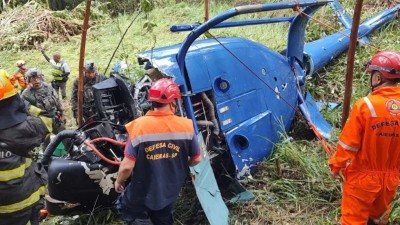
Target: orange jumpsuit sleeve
[
  {"x": 13, "y": 79},
  {"x": 349, "y": 140},
  {"x": 18, "y": 77},
  {"x": 21, "y": 80}
]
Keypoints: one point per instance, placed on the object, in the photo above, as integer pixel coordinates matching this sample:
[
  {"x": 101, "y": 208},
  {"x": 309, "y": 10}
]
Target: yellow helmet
[{"x": 6, "y": 88}]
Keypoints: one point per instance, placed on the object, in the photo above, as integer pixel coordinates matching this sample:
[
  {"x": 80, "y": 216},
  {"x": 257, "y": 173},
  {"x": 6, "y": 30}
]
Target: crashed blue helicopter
[{"x": 239, "y": 93}]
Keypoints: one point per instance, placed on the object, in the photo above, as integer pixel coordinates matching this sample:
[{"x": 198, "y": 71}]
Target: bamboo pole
[
  {"x": 81, "y": 59},
  {"x": 350, "y": 61}
]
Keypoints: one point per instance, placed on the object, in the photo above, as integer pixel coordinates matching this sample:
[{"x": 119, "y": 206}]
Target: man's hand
[
  {"x": 39, "y": 47},
  {"x": 119, "y": 187},
  {"x": 61, "y": 118},
  {"x": 337, "y": 175}
]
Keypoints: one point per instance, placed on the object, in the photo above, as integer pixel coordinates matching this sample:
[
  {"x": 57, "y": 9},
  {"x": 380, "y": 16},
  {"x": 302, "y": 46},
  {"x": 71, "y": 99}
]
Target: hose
[
  {"x": 73, "y": 134},
  {"x": 112, "y": 141},
  {"x": 211, "y": 112},
  {"x": 55, "y": 142},
  {"x": 91, "y": 145},
  {"x": 95, "y": 150},
  {"x": 205, "y": 123}
]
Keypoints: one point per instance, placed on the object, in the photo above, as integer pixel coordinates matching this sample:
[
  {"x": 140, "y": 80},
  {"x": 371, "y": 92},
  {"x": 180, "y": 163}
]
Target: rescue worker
[
  {"x": 22, "y": 181},
  {"x": 160, "y": 149},
  {"x": 18, "y": 78},
  {"x": 60, "y": 72},
  {"x": 368, "y": 151},
  {"x": 91, "y": 78},
  {"x": 44, "y": 97}
]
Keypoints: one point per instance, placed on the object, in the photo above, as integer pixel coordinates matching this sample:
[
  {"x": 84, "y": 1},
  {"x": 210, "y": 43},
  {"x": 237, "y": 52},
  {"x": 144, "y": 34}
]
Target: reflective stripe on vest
[
  {"x": 7, "y": 175},
  {"x": 34, "y": 197},
  {"x": 48, "y": 122},
  {"x": 34, "y": 111},
  {"x": 56, "y": 71},
  {"x": 370, "y": 107}
]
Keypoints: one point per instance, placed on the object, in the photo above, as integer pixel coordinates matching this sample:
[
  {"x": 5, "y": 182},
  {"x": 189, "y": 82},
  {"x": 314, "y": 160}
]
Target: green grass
[{"x": 304, "y": 193}]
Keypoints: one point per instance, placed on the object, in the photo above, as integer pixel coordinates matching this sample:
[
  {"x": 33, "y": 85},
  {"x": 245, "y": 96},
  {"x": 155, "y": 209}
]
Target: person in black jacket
[
  {"x": 22, "y": 181},
  {"x": 91, "y": 78},
  {"x": 160, "y": 149}
]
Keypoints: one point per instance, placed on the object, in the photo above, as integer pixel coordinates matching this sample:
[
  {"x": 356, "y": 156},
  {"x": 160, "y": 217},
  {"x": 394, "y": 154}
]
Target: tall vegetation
[{"x": 293, "y": 186}]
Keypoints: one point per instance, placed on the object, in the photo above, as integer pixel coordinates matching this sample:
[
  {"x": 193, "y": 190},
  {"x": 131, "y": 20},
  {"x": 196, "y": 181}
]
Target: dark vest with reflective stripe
[
  {"x": 163, "y": 144},
  {"x": 164, "y": 177},
  {"x": 20, "y": 185}
]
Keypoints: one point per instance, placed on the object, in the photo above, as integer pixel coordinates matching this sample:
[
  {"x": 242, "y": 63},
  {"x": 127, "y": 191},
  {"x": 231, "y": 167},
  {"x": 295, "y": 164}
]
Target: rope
[
  {"x": 325, "y": 144},
  {"x": 298, "y": 9},
  {"x": 253, "y": 72},
  {"x": 329, "y": 149}
]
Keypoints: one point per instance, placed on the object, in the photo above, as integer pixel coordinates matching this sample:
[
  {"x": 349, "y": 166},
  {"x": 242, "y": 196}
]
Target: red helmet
[
  {"x": 386, "y": 62},
  {"x": 164, "y": 91}
]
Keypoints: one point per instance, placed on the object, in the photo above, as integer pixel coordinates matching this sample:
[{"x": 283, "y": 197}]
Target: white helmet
[
  {"x": 90, "y": 65},
  {"x": 20, "y": 63}
]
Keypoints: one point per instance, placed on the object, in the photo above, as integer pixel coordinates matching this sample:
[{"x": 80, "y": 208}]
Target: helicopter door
[{"x": 207, "y": 189}]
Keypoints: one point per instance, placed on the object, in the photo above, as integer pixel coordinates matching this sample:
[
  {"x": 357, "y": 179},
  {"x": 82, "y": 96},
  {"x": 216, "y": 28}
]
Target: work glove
[{"x": 336, "y": 173}]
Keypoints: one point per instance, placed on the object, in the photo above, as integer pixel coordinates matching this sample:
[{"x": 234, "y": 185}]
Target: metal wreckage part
[{"x": 239, "y": 93}]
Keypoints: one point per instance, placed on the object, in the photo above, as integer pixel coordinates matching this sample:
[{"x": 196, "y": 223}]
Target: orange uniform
[
  {"x": 18, "y": 78},
  {"x": 368, "y": 152}
]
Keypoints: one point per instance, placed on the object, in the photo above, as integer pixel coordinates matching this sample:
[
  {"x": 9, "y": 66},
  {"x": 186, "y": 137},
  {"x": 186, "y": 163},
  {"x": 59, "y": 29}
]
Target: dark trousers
[
  {"x": 60, "y": 85},
  {"x": 141, "y": 215},
  {"x": 31, "y": 214}
]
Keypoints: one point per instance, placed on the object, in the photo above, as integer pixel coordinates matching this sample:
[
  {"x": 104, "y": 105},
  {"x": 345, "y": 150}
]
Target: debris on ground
[{"x": 24, "y": 26}]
